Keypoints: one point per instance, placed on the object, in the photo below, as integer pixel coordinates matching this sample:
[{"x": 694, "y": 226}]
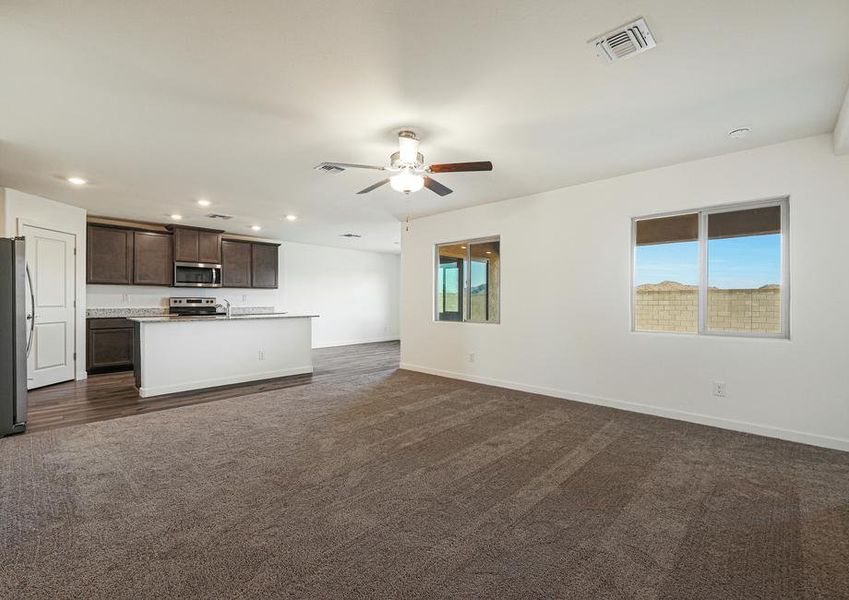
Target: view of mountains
[{"x": 668, "y": 286}]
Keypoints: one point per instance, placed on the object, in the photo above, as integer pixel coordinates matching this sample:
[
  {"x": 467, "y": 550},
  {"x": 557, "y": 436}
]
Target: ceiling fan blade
[
  {"x": 461, "y": 167},
  {"x": 434, "y": 186},
  {"x": 374, "y": 186},
  {"x": 340, "y": 166}
]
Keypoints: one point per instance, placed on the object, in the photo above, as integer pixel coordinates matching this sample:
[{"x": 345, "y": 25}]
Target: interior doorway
[{"x": 51, "y": 305}]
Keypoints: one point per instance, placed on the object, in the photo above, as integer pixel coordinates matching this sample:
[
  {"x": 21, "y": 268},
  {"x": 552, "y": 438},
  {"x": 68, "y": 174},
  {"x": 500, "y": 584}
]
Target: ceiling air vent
[
  {"x": 624, "y": 42},
  {"x": 222, "y": 217},
  {"x": 328, "y": 168}
]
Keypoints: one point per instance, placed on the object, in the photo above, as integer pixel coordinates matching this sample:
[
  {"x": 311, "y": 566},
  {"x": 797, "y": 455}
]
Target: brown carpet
[{"x": 403, "y": 485}]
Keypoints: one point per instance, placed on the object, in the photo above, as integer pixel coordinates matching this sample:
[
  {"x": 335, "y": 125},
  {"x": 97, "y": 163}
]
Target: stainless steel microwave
[{"x": 187, "y": 274}]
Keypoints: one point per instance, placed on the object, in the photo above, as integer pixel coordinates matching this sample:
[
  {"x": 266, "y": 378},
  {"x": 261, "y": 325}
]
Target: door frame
[
  {"x": 460, "y": 263},
  {"x": 26, "y": 222}
]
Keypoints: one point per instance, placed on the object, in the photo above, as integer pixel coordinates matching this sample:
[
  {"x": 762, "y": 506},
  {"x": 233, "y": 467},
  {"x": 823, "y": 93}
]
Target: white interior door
[{"x": 51, "y": 261}]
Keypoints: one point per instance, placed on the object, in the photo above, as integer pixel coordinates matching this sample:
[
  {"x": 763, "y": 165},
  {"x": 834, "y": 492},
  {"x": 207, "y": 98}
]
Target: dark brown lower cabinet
[{"x": 110, "y": 345}]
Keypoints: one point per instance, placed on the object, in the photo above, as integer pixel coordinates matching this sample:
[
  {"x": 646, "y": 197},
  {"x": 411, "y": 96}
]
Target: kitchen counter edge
[{"x": 184, "y": 319}]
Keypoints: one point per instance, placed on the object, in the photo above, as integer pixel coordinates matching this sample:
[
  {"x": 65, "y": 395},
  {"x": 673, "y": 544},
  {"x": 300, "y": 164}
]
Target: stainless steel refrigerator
[{"x": 15, "y": 336}]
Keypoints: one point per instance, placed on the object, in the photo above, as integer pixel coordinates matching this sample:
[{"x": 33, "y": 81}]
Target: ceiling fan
[{"x": 408, "y": 171}]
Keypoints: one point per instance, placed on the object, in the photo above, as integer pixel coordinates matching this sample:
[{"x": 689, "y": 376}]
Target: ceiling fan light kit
[
  {"x": 406, "y": 182},
  {"x": 408, "y": 171},
  {"x": 409, "y": 143}
]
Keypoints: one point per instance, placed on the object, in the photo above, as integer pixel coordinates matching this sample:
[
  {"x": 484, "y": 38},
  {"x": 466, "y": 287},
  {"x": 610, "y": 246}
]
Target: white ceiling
[{"x": 159, "y": 103}]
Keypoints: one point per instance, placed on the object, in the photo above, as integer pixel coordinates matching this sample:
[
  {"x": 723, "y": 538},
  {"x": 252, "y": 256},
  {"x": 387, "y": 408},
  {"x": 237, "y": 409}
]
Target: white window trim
[
  {"x": 466, "y": 279},
  {"x": 784, "y": 203}
]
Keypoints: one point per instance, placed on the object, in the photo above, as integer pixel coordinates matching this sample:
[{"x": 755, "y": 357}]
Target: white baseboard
[
  {"x": 148, "y": 392},
  {"x": 393, "y": 338},
  {"x": 679, "y": 415}
]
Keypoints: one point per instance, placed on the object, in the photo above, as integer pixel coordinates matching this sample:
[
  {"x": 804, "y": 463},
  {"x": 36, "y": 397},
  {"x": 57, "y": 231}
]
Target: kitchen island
[{"x": 176, "y": 354}]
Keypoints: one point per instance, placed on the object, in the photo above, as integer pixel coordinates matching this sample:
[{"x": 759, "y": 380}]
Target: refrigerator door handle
[{"x": 31, "y": 316}]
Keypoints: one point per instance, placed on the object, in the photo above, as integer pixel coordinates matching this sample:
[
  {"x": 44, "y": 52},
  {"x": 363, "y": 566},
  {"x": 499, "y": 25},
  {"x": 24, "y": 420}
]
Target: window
[
  {"x": 666, "y": 274},
  {"x": 467, "y": 281},
  {"x": 718, "y": 271}
]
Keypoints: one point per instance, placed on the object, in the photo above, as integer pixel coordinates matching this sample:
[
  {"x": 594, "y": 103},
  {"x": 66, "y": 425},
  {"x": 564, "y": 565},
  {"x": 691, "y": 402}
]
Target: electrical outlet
[
  {"x": 261, "y": 355},
  {"x": 471, "y": 357},
  {"x": 719, "y": 389}
]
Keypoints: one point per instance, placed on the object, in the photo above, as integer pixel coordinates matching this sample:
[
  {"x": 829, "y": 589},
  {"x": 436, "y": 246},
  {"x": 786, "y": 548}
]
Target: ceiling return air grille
[
  {"x": 625, "y": 42},
  {"x": 328, "y": 168}
]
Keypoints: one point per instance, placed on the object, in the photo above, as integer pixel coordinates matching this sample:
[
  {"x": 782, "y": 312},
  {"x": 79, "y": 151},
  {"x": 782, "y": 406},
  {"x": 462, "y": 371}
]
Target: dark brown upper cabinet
[
  {"x": 124, "y": 255},
  {"x": 197, "y": 245},
  {"x": 185, "y": 244},
  {"x": 109, "y": 255},
  {"x": 236, "y": 264},
  {"x": 209, "y": 247},
  {"x": 153, "y": 260},
  {"x": 264, "y": 265}
]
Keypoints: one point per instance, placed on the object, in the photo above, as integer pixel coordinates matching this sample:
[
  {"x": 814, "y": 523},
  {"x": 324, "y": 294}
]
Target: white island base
[{"x": 180, "y": 354}]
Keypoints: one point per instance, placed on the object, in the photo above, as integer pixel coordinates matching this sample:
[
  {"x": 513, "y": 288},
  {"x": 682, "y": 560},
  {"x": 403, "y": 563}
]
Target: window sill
[
  {"x": 742, "y": 336},
  {"x": 468, "y": 322}
]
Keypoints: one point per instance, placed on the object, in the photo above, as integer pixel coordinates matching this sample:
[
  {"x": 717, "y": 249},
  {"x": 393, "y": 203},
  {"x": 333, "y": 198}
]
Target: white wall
[
  {"x": 354, "y": 292},
  {"x": 565, "y": 316},
  {"x": 17, "y": 206}
]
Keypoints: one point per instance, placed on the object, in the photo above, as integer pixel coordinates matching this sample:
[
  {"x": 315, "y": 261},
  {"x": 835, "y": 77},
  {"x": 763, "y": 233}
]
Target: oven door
[{"x": 197, "y": 275}]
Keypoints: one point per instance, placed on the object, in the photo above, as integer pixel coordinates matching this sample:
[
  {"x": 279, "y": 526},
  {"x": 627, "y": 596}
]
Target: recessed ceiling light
[
  {"x": 740, "y": 132},
  {"x": 176, "y": 217},
  {"x": 291, "y": 217},
  {"x": 77, "y": 180},
  {"x": 204, "y": 202},
  {"x": 488, "y": 252},
  {"x": 256, "y": 227}
]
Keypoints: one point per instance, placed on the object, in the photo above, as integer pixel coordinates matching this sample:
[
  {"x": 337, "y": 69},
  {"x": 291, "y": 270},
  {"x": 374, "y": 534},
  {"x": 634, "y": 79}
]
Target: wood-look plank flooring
[{"x": 113, "y": 395}]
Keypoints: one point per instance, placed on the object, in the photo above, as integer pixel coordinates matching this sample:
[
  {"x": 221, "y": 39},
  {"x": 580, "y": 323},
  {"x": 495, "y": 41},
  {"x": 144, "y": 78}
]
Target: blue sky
[
  {"x": 478, "y": 273},
  {"x": 741, "y": 262}
]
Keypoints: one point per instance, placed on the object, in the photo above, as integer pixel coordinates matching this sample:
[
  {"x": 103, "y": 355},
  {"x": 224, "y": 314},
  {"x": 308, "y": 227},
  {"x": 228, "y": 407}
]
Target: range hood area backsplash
[
  {"x": 138, "y": 301},
  {"x": 114, "y": 313}
]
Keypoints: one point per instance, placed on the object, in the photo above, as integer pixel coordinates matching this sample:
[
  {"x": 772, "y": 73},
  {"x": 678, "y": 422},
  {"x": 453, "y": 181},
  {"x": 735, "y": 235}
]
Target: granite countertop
[
  {"x": 128, "y": 312},
  {"x": 117, "y": 313},
  {"x": 244, "y": 317}
]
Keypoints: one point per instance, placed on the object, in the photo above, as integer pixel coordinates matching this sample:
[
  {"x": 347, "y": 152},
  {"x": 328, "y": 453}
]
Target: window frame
[
  {"x": 783, "y": 202},
  {"x": 467, "y": 273}
]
